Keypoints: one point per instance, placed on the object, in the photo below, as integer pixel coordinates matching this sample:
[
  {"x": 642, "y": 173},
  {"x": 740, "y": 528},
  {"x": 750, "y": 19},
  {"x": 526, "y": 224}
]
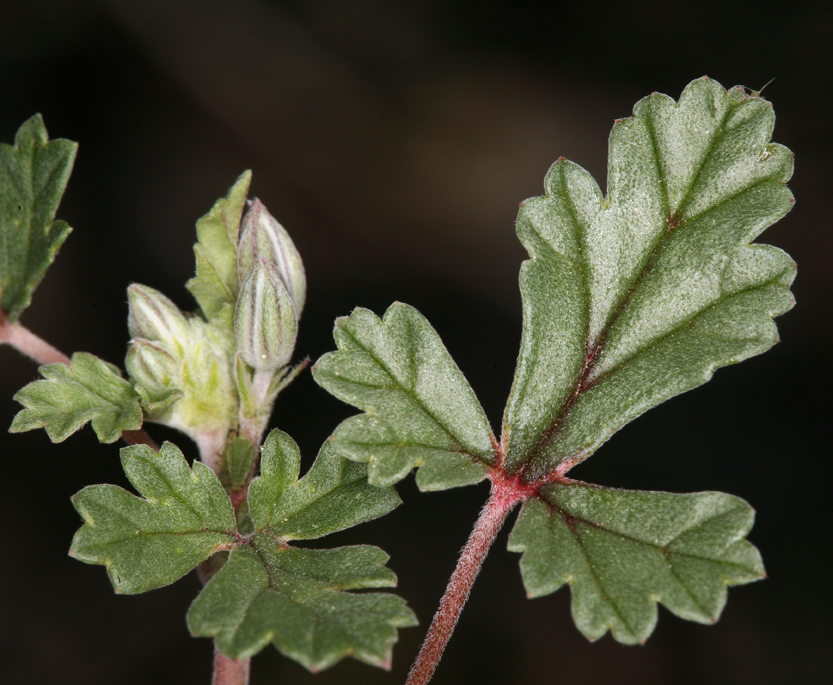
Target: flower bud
[
  {"x": 154, "y": 317},
  {"x": 265, "y": 324},
  {"x": 263, "y": 237},
  {"x": 152, "y": 366}
]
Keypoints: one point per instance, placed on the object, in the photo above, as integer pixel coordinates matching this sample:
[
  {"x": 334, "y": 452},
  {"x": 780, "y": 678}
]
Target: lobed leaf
[
  {"x": 421, "y": 411},
  {"x": 215, "y": 285},
  {"x": 297, "y": 599},
  {"x": 183, "y": 517},
  {"x": 639, "y": 296},
  {"x": 33, "y": 176},
  {"x": 333, "y": 495},
  {"x": 623, "y": 551},
  {"x": 89, "y": 389}
]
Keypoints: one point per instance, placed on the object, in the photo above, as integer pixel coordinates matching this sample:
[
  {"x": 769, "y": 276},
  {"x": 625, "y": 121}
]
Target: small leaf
[
  {"x": 215, "y": 285},
  {"x": 636, "y": 297},
  {"x": 89, "y": 389},
  {"x": 33, "y": 177},
  {"x": 146, "y": 542},
  {"x": 623, "y": 551},
  {"x": 237, "y": 463},
  {"x": 296, "y": 599},
  {"x": 332, "y": 496},
  {"x": 421, "y": 411}
]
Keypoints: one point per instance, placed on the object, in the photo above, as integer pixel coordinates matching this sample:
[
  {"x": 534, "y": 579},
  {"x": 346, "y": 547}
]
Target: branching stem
[{"x": 503, "y": 499}]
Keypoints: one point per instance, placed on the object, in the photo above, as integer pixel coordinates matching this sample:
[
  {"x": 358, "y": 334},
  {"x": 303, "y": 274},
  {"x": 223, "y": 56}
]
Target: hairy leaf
[
  {"x": 182, "y": 518},
  {"x": 639, "y": 296},
  {"x": 215, "y": 284},
  {"x": 421, "y": 411},
  {"x": 89, "y": 389},
  {"x": 333, "y": 495},
  {"x": 33, "y": 177},
  {"x": 623, "y": 551},
  {"x": 297, "y": 599}
]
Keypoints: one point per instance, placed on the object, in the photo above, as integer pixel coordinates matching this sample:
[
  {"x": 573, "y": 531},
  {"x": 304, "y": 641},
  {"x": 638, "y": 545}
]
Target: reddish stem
[
  {"x": 505, "y": 495},
  {"x": 230, "y": 671}
]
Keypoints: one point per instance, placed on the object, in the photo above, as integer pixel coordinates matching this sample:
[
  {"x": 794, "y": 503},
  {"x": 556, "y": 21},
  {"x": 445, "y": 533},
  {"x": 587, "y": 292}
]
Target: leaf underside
[
  {"x": 634, "y": 298},
  {"x": 182, "y": 518},
  {"x": 89, "y": 389},
  {"x": 421, "y": 411},
  {"x": 624, "y": 551},
  {"x": 33, "y": 176}
]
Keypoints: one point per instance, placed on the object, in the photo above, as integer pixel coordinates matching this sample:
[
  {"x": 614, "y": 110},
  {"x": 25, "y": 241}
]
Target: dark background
[{"x": 395, "y": 140}]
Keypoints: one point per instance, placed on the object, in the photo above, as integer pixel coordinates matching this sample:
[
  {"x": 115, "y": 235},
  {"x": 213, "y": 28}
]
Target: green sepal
[
  {"x": 237, "y": 463},
  {"x": 623, "y": 551},
  {"x": 215, "y": 285},
  {"x": 421, "y": 411},
  {"x": 333, "y": 495},
  {"x": 297, "y": 599},
  {"x": 156, "y": 406},
  {"x": 89, "y": 389},
  {"x": 33, "y": 176},
  {"x": 182, "y": 518},
  {"x": 636, "y": 297}
]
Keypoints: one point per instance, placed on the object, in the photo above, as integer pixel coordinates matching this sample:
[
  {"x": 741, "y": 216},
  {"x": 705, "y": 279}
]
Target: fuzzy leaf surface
[
  {"x": 636, "y": 297},
  {"x": 215, "y": 285},
  {"x": 333, "y": 495},
  {"x": 182, "y": 518},
  {"x": 33, "y": 176},
  {"x": 622, "y": 551},
  {"x": 420, "y": 410},
  {"x": 89, "y": 389},
  {"x": 298, "y": 600}
]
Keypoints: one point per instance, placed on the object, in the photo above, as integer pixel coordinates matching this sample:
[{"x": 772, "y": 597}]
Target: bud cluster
[
  {"x": 272, "y": 291},
  {"x": 170, "y": 351}
]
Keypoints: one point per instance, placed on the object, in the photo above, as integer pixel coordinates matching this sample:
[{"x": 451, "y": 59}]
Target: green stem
[{"x": 500, "y": 504}]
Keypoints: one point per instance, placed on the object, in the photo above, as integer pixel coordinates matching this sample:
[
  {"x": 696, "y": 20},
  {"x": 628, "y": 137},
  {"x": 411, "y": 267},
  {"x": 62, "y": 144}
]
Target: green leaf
[
  {"x": 89, "y": 389},
  {"x": 421, "y": 411},
  {"x": 623, "y": 551},
  {"x": 333, "y": 495},
  {"x": 639, "y": 296},
  {"x": 237, "y": 463},
  {"x": 146, "y": 542},
  {"x": 297, "y": 599},
  {"x": 215, "y": 285},
  {"x": 33, "y": 177}
]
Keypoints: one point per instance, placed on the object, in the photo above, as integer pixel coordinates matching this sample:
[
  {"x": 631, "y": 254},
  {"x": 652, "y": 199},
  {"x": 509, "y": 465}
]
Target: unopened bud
[
  {"x": 265, "y": 324},
  {"x": 263, "y": 237},
  {"x": 151, "y": 366},
  {"x": 154, "y": 317}
]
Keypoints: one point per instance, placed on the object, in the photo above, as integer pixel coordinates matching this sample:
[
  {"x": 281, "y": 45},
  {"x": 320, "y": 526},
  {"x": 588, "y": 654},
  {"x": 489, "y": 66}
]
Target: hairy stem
[
  {"x": 501, "y": 502},
  {"x": 230, "y": 671}
]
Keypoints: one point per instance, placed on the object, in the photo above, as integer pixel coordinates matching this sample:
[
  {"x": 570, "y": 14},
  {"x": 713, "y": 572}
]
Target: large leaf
[
  {"x": 333, "y": 495},
  {"x": 182, "y": 518},
  {"x": 297, "y": 599},
  {"x": 215, "y": 285},
  {"x": 623, "y": 551},
  {"x": 33, "y": 176},
  {"x": 634, "y": 298},
  {"x": 421, "y": 411},
  {"x": 89, "y": 389}
]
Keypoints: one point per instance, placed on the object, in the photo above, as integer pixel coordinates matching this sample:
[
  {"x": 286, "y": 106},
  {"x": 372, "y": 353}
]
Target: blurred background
[{"x": 395, "y": 141}]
